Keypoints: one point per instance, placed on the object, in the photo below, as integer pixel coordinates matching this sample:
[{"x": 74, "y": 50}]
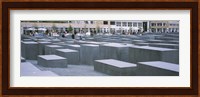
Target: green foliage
[{"x": 70, "y": 29}]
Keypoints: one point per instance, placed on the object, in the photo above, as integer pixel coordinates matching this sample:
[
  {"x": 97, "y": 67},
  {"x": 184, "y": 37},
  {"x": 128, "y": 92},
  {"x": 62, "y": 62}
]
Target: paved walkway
[{"x": 72, "y": 70}]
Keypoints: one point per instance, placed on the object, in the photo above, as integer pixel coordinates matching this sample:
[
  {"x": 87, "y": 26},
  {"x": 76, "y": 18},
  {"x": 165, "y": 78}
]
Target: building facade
[
  {"x": 117, "y": 26},
  {"x": 164, "y": 26}
]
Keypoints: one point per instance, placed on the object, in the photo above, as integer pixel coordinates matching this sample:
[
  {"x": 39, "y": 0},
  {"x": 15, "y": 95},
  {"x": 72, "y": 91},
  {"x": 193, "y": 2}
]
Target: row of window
[
  {"x": 124, "y": 24},
  {"x": 163, "y": 24},
  {"x": 158, "y": 24}
]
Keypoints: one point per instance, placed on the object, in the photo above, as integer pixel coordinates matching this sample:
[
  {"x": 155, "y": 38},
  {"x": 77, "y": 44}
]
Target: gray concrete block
[
  {"x": 52, "y": 61},
  {"x": 137, "y": 41},
  {"x": 41, "y": 46},
  {"x": 89, "y": 53},
  {"x": 155, "y": 41},
  {"x": 73, "y": 46},
  {"x": 115, "y": 67},
  {"x": 58, "y": 43},
  {"x": 71, "y": 55},
  {"x": 80, "y": 42},
  {"x": 145, "y": 53},
  {"x": 142, "y": 44},
  {"x": 166, "y": 38},
  {"x": 95, "y": 43},
  {"x": 165, "y": 45},
  {"x": 25, "y": 40},
  {"x": 29, "y": 50},
  {"x": 114, "y": 51},
  {"x": 171, "y": 42},
  {"x": 55, "y": 40},
  {"x": 157, "y": 68},
  {"x": 50, "y": 49},
  {"x": 43, "y": 40},
  {"x": 69, "y": 42}
]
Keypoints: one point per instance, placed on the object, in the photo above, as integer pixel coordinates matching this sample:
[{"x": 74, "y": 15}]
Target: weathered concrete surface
[
  {"x": 165, "y": 45},
  {"x": 157, "y": 68},
  {"x": 51, "y": 49},
  {"x": 29, "y": 50},
  {"x": 41, "y": 46},
  {"x": 71, "y": 55},
  {"x": 73, "y": 46},
  {"x": 115, "y": 67},
  {"x": 145, "y": 53},
  {"x": 52, "y": 61},
  {"x": 114, "y": 51},
  {"x": 89, "y": 53}
]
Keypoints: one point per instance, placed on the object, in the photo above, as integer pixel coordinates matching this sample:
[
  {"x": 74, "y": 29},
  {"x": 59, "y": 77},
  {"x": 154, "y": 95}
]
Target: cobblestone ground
[{"x": 72, "y": 70}]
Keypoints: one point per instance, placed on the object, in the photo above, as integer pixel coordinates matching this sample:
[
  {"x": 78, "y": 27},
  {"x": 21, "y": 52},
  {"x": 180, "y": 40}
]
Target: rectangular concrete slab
[
  {"x": 55, "y": 40},
  {"x": 73, "y": 46},
  {"x": 41, "y": 46},
  {"x": 137, "y": 41},
  {"x": 25, "y": 40},
  {"x": 52, "y": 61},
  {"x": 89, "y": 53},
  {"x": 157, "y": 68},
  {"x": 29, "y": 50},
  {"x": 145, "y": 53},
  {"x": 114, "y": 51},
  {"x": 165, "y": 45},
  {"x": 50, "y": 49},
  {"x": 71, "y": 55},
  {"x": 115, "y": 67}
]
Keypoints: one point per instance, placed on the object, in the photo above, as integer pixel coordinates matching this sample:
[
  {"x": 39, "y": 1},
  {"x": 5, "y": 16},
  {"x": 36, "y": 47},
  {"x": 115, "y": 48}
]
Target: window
[
  {"x": 78, "y": 22},
  {"x": 105, "y": 22},
  {"x": 134, "y": 24},
  {"x": 112, "y": 23},
  {"x": 130, "y": 24},
  {"x": 164, "y": 24},
  {"x": 124, "y": 24},
  {"x": 139, "y": 24},
  {"x": 118, "y": 23},
  {"x": 153, "y": 24},
  {"x": 86, "y": 22},
  {"x": 91, "y": 22},
  {"x": 159, "y": 24}
]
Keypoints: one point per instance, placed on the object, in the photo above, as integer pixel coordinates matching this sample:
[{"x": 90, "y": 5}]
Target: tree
[
  {"x": 70, "y": 29},
  {"x": 98, "y": 29}
]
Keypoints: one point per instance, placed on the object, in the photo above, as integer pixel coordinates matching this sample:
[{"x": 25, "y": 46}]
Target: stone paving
[{"x": 71, "y": 70}]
